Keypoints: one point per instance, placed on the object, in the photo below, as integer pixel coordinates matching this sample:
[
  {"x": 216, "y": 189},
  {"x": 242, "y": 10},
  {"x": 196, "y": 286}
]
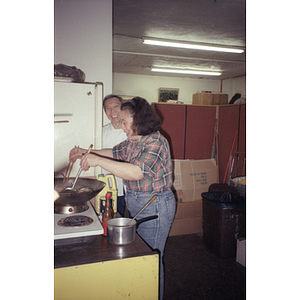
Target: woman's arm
[
  {"x": 77, "y": 152},
  {"x": 123, "y": 170},
  {"x": 104, "y": 152}
]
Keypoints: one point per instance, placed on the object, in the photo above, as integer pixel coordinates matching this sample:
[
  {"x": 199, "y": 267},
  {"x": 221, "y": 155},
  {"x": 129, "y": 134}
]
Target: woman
[{"x": 144, "y": 163}]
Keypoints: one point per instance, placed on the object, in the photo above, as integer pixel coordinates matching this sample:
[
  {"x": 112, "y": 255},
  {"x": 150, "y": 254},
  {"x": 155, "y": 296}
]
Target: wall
[
  {"x": 233, "y": 86},
  {"x": 83, "y": 38},
  {"x": 148, "y": 86}
]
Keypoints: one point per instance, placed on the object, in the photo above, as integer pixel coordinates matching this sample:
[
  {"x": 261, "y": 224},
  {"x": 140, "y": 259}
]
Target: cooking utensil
[
  {"x": 143, "y": 208},
  {"x": 72, "y": 188},
  {"x": 69, "y": 169},
  {"x": 86, "y": 189},
  {"x": 66, "y": 177},
  {"x": 120, "y": 233}
]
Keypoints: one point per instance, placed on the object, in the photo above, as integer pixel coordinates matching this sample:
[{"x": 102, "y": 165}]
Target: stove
[{"x": 77, "y": 228}]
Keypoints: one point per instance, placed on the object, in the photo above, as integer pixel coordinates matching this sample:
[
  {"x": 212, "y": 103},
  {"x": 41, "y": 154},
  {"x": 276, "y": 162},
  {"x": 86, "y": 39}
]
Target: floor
[{"x": 192, "y": 271}]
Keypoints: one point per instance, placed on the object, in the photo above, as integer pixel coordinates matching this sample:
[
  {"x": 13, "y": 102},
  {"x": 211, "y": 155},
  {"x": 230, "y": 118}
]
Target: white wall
[
  {"x": 148, "y": 86},
  {"x": 233, "y": 86},
  {"x": 83, "y": 38}
]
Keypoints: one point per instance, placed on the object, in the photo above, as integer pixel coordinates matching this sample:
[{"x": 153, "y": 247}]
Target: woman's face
[{"x": 127, "y": 121}]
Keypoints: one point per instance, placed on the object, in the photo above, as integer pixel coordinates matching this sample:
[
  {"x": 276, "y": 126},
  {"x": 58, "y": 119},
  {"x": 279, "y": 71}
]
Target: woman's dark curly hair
[{"x": 145, "y": 120}]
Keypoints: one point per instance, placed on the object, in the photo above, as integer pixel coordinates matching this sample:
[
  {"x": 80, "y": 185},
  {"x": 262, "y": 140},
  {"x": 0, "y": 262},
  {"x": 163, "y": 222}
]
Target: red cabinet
[
  {"x": 200, "y": 122},
  {"x": 173, "y": 127},
  {"x": 190, "y": 130}
]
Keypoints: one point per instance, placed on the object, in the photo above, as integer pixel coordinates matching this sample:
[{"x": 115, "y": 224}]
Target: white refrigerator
[{"x": 77, "y": 122}]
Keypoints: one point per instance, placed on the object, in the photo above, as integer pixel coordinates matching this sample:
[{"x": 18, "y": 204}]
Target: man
[{"x": 113, "y": 134}]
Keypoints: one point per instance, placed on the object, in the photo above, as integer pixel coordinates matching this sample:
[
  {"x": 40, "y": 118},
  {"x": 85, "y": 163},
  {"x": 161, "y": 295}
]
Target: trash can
[{"x": 224, "y": 221}]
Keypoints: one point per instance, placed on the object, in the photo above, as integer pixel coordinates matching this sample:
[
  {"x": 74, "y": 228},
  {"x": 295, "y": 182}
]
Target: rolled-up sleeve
[{"x": 119, "y": 152}]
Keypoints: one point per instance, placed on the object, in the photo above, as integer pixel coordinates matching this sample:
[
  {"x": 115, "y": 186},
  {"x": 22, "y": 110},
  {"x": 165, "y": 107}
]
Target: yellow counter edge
[{"x": 134, "y": 278}]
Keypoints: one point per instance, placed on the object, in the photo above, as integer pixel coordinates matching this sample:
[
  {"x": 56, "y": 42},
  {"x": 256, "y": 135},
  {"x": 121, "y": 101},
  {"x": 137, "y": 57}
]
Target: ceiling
[{"x": 218, "y": 22}]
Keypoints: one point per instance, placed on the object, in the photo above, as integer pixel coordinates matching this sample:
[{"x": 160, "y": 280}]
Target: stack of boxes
[{"x": 192, "y": 177}]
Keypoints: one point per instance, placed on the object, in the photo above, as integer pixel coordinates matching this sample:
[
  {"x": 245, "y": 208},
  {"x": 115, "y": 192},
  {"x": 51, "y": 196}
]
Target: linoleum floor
[{"x": 192, "y": 271}]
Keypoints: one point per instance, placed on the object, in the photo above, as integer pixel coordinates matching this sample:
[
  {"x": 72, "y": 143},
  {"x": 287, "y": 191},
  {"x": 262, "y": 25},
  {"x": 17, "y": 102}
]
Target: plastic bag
[{"x": 61, "y": 70}]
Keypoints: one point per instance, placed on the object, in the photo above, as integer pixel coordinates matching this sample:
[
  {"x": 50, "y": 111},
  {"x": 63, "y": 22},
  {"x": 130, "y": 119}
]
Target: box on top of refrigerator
[{"x": 193, "y": 177}]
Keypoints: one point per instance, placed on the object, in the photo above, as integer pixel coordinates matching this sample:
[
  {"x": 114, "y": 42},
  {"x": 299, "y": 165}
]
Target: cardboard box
[
  {"x": 241, "y": 252},
  {"x": 203, "y": 98},
  {"x": 188, "y": 218},
  {"x": 193, "y": 177},
  {"x": 186, "y": 226},
  {"x": 189, "y": 210},
  {"x": 210, "y": 99},
  {"x": 220, "y": 99},
  {"x": 224, "y": 99}
]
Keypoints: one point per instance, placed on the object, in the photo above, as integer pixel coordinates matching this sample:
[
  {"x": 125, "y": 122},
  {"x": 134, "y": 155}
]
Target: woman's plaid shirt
[{"x": 152, "y": 155}]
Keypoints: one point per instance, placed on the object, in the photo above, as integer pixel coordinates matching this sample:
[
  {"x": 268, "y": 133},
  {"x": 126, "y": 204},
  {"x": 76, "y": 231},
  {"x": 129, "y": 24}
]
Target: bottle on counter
[
  {"x": 108, "y": 212},
  {"x": 110, "y": 185},
  {"x": 103, "y": 201}
]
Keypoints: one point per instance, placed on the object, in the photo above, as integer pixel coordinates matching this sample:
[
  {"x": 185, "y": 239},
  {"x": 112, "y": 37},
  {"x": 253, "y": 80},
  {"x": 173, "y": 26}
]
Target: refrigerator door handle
[{"x": 62, "y": 121}]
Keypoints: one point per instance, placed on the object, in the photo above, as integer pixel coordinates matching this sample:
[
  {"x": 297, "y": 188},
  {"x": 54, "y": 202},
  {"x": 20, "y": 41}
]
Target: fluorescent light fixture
[
  {"x": 181, "y": 71},
  {"x": 191, "y": 46}
]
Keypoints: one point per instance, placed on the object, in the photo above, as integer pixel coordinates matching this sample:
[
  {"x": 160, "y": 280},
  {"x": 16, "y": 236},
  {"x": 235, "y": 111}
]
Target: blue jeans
[
  {"x": 121, "y": 205},
  {"x": 154, "y": 232}
]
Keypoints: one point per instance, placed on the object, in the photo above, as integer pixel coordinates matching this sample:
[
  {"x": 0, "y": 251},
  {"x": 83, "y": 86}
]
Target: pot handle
[{"x": 138, "y": 222}]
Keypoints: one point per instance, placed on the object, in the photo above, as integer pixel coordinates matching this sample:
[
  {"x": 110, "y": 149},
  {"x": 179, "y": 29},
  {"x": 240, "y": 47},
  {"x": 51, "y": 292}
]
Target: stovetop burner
[
  {"x": 75, "y": 221},
  {"x": 72, "y": 228}
]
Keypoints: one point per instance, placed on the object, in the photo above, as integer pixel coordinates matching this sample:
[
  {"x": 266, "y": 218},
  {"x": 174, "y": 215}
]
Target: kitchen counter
[
  {"x": 98, "y": 251},
  {"x": 101, "y": 270}
]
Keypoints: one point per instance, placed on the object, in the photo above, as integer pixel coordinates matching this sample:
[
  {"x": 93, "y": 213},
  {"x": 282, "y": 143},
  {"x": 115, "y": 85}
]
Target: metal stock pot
[{"x": 121, "y": 231}]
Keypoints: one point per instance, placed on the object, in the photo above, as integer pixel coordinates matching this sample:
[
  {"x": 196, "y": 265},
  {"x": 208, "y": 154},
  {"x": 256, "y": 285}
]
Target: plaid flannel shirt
[{"x": 152, "y": 155}]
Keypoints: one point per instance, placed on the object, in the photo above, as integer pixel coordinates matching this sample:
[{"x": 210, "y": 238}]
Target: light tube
[
  {"x": 191, "y": 46},
  {"x": 186, "y": 72}
]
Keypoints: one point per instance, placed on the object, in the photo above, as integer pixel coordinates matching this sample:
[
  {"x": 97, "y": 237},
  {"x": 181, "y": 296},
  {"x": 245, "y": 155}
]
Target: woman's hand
[
  {"x": 89, "y": 160},
  {"x": 76, "y": 153}
]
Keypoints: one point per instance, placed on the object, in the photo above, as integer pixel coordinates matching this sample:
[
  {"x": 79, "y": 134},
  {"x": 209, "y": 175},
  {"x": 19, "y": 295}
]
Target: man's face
[{"x": 112, "y": 107}]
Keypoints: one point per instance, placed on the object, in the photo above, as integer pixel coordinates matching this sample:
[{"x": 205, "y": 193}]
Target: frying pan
[{"x": 86, "y": 189}]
